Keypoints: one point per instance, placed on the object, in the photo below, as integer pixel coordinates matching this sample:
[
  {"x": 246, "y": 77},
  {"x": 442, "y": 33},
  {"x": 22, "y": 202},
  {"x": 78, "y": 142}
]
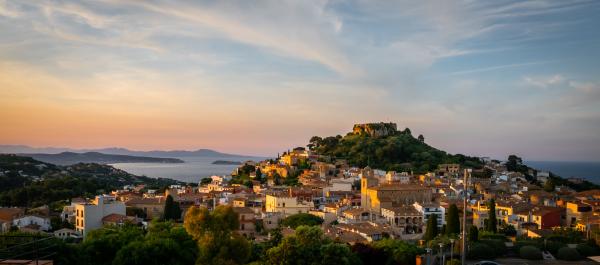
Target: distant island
[
  {"x": 70, "y": 158},
  {"x": 226, "y": 162},
  {"x": 25, "y": 149}
]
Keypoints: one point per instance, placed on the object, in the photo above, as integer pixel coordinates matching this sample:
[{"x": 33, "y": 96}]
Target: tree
[
  {"x": 213, "y": 231},
  {"x": 431, "y": 231},
  {"x": 549, "y": 186},
  {"x": 164, "y": 243},
  {"x": 452, "y": 221},
  {"x": 397, "y": 251},
  {"x": 172, "y": 210},
  {"x": 299, "y": 219},
  {"x": 309, "y": 245},
  {"x": 492, "y": 223},
  {"x": 259, "y": 175},
  {"x": 473, "y": 234},
  {"x": 513, "y": 163}
]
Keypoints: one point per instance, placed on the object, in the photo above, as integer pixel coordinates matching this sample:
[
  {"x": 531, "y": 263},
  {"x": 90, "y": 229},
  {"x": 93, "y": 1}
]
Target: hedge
[
  {"x": 530, "y": 252},
  {"x": 567, "y": 253}
]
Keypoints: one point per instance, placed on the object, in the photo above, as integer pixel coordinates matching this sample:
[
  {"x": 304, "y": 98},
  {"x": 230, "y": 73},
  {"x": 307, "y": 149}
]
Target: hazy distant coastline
[{"x": 70, "y": 158}]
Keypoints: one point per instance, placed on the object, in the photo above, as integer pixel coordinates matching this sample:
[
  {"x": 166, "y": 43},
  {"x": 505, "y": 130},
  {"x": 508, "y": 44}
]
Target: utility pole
[{"x": 463, "y": 255}]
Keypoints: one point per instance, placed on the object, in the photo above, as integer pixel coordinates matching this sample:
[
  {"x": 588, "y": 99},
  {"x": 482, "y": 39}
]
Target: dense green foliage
[
  {"x": 399, "y": 152},
  {"x": 172, "y": 210},
  {"x": 397, "y": 251},
  {"x": 492, "y": 221},
  {"x": 309, "y": 245},
  {"x": 530, "y": 252},
  {"x": 480, "y": 251},
  {"x": 33, "y": 183},
  {"x": 567, "y": 253},
  {"x": 452, "y": 221},
  {"x": 431, "y": 230},
  {"x": 213, "y": 231},
  {"x": 473, "y": 234},
  {"x": 587, "y": 250},
  {"x": 299, "y": 219}
]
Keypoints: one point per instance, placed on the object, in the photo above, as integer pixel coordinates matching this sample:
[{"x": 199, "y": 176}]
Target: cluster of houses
[{"x": 356, "y": 204}]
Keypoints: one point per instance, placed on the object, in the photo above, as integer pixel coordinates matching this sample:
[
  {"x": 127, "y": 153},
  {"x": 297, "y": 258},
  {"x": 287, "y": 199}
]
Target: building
[
  {"x": 152, "y": 207},
  {"x": 429, "y": 209},
  {"x": 247, "y": 221},
  {"x": 375, "y": 196},
  {"x": 65, "y": 233},
  {"x": 33, "y": 221},
  {"x": 287, "y": 205},
  {"x": 577, "y": 212},
  {"x": 407, "y": 218},
  {"x": 88, "y": 215}
]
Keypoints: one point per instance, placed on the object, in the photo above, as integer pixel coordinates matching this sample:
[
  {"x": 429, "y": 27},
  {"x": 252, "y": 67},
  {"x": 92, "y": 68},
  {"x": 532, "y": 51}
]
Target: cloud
[
  {"x": 544, "y": 82},
  {"x": 7, "y": 10},
  {"x": 296, "y": 29}
]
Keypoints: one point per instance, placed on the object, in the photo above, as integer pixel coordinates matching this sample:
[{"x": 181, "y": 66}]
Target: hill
[
  {"x": 25, "y": 181},
  {"x": 70, "y": 158},
  {"x": 381, "y": 145},
  {"x": 24, "y": 149}
]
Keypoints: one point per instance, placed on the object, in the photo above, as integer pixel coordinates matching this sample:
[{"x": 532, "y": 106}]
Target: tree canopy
[
  {"x": 213, "y": 231},
  {"x": 452, "y": 221},
  {"x": 299, "y": 219}
]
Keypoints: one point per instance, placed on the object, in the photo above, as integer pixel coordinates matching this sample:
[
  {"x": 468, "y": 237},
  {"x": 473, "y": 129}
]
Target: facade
[
  {"x": 375, "y": 196},
  {"x": 152, "y": 207},
  {"x": 429, "y": 209},
  {"x": 88, "y": 215},
  {"x": 408, "y": 219},
  {"x": 577, "y": 212},
  {"x": 40, "y": 222},
  {"x": 287, "y": 205},
  {"x": 247, "y": 221}
]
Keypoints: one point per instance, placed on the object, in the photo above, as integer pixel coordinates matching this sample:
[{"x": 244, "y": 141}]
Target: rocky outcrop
[{"x": 375, "y": 129}]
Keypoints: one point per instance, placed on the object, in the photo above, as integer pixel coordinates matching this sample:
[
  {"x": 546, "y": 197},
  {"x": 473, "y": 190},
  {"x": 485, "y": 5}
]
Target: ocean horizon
[{"x": 589, "y": 170}]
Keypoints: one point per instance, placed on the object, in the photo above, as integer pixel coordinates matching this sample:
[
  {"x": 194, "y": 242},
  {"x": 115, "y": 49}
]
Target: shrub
[
  {"x": 567, "y": 253},
  {"x": 480, "y": 251},
  {"x": 554, "y": 246},
  {"x": 587, "y": 250},
  {"x": 453, "y": 262},
  {"x": 530, "y": 252},
  {"x": 497, "y": 246}
]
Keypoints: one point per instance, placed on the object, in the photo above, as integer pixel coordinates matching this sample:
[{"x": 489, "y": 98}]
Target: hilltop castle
[{"x": 375, "y": 129}]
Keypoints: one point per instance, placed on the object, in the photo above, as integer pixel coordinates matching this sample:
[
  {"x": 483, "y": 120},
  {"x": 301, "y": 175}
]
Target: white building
[
  {"x": 429, "y": 209},
  {"x": 33, "y": 220},
  {"x": 88, "y": 215}
]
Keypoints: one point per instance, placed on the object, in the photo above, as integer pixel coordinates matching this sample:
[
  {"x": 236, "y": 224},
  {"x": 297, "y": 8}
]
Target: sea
[
  {"x": 566, "y": 169},
  {"x": 193, "y": 170},
  {"x": 196, "y": 168}
]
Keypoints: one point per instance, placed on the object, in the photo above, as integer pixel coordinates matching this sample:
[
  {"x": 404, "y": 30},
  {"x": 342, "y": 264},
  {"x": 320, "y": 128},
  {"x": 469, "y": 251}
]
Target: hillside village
[{"x": 353, "y": 204}]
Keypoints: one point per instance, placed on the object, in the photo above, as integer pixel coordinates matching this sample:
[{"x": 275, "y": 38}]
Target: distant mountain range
[
  {"x": 24, "y": 149},
  {"x": 70, "y": 158}
]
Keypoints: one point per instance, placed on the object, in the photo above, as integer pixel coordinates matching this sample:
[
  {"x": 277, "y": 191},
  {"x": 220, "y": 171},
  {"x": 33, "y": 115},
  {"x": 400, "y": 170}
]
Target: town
[{"x": 511, "y": 210}]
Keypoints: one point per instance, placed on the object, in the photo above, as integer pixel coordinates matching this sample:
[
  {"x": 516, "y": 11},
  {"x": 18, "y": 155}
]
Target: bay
[{"x": 193, "y": 170}]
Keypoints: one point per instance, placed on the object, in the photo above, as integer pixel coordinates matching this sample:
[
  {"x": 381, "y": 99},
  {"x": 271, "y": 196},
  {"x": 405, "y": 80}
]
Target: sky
[{"x": 485, "y": 78}]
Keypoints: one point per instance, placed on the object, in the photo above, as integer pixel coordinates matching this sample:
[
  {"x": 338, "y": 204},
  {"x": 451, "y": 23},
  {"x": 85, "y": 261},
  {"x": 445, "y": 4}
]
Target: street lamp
[
  {"x": 442, "y": 252},
  {"x": 451, "y": 249}
]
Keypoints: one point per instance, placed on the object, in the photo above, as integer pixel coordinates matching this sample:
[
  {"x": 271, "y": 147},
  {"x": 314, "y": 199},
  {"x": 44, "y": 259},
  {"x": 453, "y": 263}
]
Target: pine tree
[
  {"x": 172, "y": 210},
  {"x": 473, "y": 234},
  {"x": 431, "y": 231},
  {"x": 492, "y": 221},
  {"x": 452, "y": 221}
]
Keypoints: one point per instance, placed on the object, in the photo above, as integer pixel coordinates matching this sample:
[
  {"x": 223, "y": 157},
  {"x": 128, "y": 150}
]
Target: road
[{"x": 515, "y": 261}]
